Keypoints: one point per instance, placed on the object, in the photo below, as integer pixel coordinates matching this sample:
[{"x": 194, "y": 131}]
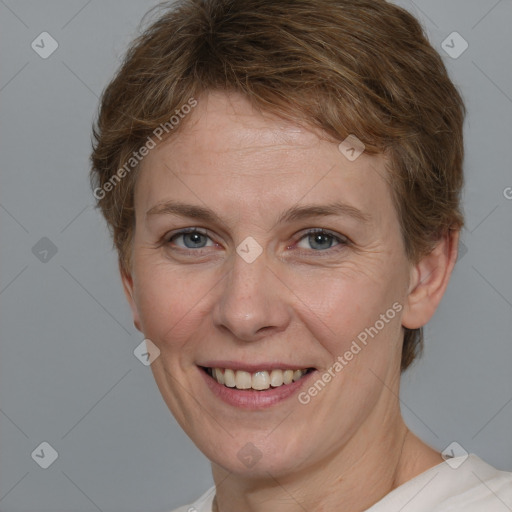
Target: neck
[{"x": 356, "y": 476}]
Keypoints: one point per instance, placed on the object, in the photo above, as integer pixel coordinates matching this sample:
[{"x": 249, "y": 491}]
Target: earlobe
[
  {"x": 128, "y": 288},
  {"x": 429, "y": 280}
]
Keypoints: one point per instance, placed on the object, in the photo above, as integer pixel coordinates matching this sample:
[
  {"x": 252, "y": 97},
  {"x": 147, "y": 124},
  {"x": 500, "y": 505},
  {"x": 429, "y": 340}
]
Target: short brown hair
[{"x": 361, "y": 67}]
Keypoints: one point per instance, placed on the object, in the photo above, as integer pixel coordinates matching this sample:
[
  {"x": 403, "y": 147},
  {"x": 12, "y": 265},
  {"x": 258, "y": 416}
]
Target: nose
[{"x": 253, "y": 302}]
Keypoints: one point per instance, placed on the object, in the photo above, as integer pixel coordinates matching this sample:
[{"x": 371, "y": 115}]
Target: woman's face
[{"x": 249, "y": 288}]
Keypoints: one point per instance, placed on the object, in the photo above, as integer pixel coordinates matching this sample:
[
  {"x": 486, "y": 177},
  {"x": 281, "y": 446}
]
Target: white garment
[{"x": 474, "y": 486}]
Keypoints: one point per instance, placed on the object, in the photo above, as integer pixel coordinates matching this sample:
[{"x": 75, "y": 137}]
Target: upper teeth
[{"x": 258, "y": 380}]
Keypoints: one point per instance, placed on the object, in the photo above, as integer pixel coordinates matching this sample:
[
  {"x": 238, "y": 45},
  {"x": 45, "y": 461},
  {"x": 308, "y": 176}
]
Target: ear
[
  {"x": 127, "y": 280},
  {"x": 428, "y": 281}
]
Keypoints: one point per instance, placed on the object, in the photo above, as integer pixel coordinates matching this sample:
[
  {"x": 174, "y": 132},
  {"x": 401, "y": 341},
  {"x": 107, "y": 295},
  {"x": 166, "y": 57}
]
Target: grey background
[{"x": 68, "y": 373}]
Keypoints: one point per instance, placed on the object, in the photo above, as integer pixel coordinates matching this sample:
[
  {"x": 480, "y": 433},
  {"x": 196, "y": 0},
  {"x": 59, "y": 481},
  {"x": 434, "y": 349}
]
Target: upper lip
[{"x": 253, "y": 367}]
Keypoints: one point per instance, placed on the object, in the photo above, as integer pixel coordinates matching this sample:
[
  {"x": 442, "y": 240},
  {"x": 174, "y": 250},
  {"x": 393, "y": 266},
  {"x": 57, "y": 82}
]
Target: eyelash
[{"x": 342, "y": 241}]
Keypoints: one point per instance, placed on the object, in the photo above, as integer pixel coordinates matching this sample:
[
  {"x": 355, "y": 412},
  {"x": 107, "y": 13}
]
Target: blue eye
[
  {"x": 320, "y": 240},
  {"x": 192, "y": 239},
  {"x": 316, "y": 239}
]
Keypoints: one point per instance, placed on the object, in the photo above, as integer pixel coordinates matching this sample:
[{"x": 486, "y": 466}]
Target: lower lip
[{"x": 252, "y": 399}]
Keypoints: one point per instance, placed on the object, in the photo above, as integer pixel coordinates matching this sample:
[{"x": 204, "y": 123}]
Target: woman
[{"x": 282, "y": 181}]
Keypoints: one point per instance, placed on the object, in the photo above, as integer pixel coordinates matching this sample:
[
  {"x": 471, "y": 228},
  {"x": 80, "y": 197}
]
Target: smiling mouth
[{"x": 258, "y": 381}]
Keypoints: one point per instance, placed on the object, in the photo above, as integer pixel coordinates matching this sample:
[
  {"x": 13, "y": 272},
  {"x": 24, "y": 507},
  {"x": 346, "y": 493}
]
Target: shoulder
[
  {"x": 480, "y": 486},
  {"x": 462, "y": 484},
  {"x": 202, "y": 504}
]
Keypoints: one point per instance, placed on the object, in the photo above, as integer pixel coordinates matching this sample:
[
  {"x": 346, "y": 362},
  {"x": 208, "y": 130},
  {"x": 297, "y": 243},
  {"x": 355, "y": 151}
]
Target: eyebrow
[{"x": 293, "y": 214}]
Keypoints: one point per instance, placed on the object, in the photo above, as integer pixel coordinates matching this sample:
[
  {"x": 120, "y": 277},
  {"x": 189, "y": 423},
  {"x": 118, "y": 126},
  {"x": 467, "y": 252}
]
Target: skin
[{"x": 298, "y": 302}]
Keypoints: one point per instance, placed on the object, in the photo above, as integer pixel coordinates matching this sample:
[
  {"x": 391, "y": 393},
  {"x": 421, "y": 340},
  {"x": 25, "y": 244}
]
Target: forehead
[
  {"x": 229, "y": 122},
  {"x": 228, "y": 152}
]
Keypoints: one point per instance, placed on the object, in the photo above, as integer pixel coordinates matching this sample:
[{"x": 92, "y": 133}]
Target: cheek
[
  {"x": 339, "y": 309},
  {"x": 169, "y": 304}
]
